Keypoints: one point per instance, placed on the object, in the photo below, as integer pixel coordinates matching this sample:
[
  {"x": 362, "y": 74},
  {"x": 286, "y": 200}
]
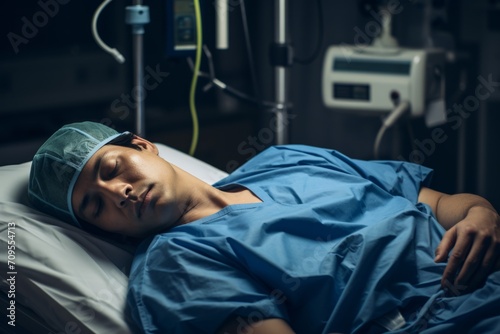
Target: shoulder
[{"x": 293, "y": 154}]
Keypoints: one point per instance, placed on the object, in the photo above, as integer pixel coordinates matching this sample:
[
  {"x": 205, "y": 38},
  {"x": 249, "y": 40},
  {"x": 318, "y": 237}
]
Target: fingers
[
  {"x": 457, "y": 257},
  {"x": 446, "y": 244},
  {"x": 487, "y": 259},
  {"x": 473, "y": 246},
  {"x": 476, "y": 266},
  {"x": 475, "y": 255},
  {"x": 442, "y": 251},
  {"x": 486, "y": 267}
]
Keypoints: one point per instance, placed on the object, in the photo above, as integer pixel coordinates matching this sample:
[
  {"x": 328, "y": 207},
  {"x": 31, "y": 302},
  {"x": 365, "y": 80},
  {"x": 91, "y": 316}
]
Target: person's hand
[{"x": 476, "y": 250}]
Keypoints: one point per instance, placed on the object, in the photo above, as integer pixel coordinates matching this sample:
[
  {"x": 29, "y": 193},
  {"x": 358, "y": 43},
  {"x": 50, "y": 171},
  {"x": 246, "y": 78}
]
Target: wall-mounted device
[
  {"x": 373, "y": 80},
  {"x": 181, "y": 28}
]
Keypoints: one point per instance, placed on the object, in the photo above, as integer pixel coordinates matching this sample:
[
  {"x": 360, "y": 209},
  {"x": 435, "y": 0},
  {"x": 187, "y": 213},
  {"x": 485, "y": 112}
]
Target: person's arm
[
  {"x": 266, "y": 326},
  {"x": 473, "y": 232}
]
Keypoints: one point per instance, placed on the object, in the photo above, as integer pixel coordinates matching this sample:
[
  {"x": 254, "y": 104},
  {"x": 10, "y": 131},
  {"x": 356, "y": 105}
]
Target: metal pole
[
  {"x": 138, "y": 15},
  {"x": 222, "y": 25},
  {"x": 280, "y": 73},
  {"x": 138, "y": 75}
]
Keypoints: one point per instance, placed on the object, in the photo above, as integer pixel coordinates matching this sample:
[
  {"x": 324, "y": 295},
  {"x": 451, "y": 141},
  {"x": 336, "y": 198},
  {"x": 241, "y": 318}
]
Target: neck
[{"x": 208, "y": 200}]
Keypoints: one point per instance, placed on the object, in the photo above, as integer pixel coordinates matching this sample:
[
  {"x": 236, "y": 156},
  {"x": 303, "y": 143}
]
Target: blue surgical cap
[{"x": 58, "y": 163}]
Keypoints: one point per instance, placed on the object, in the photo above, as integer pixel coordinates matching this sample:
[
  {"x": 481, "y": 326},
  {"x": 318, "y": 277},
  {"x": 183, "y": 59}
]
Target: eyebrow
[{"x": 86, "y": 198}]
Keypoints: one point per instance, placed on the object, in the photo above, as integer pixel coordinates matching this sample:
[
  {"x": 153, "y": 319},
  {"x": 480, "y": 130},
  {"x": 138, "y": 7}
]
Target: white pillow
[
  {"x": 198, "y": 168},
  {"x": 71, "y": 279}
]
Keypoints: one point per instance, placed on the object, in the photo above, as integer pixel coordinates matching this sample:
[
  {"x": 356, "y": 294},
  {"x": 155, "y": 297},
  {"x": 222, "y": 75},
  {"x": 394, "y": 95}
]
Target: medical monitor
[{"x": 370, "y": 81}]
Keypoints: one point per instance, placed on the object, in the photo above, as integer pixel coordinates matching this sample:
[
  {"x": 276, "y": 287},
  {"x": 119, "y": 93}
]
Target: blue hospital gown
[{"x": 335, "y": 244}]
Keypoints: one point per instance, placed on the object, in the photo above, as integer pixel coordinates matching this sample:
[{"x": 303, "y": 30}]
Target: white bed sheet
[{"x": 71, "y": 279}]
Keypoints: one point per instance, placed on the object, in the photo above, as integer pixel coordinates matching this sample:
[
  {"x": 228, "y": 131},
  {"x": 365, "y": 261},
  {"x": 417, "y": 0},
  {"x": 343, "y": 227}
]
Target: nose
[{"x": 117, "y": 191}]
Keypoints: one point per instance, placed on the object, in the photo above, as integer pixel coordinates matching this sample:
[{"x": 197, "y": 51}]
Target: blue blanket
[{"x": 336, "y": 245}]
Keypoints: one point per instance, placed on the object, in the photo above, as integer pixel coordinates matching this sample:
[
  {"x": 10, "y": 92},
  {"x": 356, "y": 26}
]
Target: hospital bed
[
  {"x": 60, "y": 279},
  {"x": 57, "y": 278}
]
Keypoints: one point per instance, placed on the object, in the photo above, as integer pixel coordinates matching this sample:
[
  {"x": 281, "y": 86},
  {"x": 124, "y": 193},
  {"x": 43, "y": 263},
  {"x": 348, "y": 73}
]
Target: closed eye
[
  {"x": 111, "y": 170},
  {"x": 114, "y": 171}
]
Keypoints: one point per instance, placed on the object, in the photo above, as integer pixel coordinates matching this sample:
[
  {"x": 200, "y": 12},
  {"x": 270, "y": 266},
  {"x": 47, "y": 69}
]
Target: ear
[{"x": 145, "y": 145}]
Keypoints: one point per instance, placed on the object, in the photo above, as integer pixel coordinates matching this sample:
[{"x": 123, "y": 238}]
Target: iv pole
[
  {"x": 281, "y": 59},
  {"x": 137, "y": 15},
  {"x": 281, "y": 54}
]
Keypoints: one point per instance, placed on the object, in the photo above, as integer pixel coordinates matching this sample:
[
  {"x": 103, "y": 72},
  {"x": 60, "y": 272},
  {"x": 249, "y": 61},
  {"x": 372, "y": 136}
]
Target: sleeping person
[{"x": 299, "y": 239}]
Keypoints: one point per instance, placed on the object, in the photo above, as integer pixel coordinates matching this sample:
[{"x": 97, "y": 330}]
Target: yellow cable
[{"x": 192, "y": 93}]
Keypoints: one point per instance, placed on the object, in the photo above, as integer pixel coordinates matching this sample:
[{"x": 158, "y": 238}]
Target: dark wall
[
  {"x": 58, "y": 75},
  {"x": 52, "y": 72},
  {"x": 464, "y": 158}
]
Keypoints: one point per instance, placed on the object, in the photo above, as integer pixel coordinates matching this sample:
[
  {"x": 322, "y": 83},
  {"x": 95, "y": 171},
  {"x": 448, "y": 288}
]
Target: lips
[{"x": 143, "y": 203}]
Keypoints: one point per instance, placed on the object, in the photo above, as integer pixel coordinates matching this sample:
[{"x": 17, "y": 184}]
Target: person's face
[{"x": 127, "y": 191}]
